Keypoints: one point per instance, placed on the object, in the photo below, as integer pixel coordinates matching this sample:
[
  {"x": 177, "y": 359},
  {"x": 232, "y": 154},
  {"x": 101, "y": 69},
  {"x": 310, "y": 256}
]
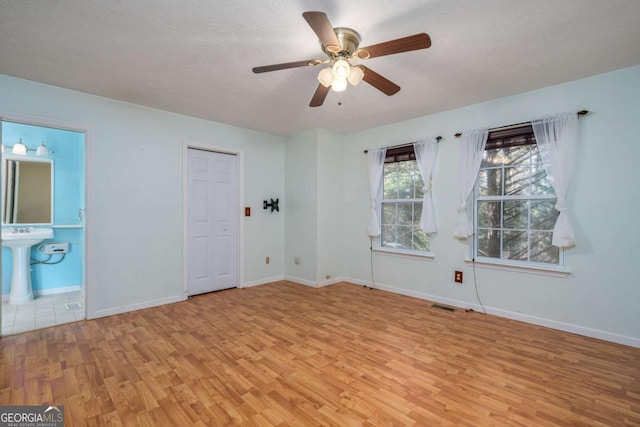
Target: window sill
[
  {"x": 403, "y": 253},
  {"x": 531, "y": 269}
]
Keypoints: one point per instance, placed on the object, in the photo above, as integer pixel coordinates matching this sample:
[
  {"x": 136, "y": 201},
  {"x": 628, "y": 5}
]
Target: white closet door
[{"x": 212, "y": 222}]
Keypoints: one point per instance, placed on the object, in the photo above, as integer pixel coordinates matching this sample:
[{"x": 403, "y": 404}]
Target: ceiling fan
[{"x": 342, "y": 44}]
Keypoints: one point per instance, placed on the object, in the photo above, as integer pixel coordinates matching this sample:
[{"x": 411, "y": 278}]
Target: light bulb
[
  {"x": 325, "y": 77},
  {"x": 355, "y": 75},
  {"x": 19, "y": 148},
  {"x": 339, "y": 85},
  {"x": 341, "y": 69},
  {"x": 42, "y": 150}
]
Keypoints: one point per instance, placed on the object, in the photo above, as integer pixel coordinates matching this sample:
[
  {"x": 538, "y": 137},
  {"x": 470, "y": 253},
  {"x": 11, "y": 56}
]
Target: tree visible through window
[
  {"x": 402, "y": 202},
  {"x": 515, "y": 201}
]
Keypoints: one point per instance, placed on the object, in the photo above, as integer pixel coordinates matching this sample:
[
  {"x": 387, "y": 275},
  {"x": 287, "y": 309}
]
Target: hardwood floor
[{"x": 287, "y": 355}]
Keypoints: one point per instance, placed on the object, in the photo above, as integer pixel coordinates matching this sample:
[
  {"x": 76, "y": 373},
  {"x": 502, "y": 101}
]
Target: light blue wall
[
  {"x": 135, "y": 218},
  {"x": 67, "y": 153},
  {"x": 601, "y": 295}
]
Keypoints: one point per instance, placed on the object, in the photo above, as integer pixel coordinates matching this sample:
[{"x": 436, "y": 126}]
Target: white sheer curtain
[
  {"x": 375, "y": 162},
  {"x": 557, "y": 140},
  {"x": 426, "y": 153},
  {"x": 471, "y": 149}
]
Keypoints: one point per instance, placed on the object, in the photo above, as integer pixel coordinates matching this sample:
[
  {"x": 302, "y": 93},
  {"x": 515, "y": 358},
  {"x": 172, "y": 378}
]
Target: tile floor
[{"x": 43, "y": 311}]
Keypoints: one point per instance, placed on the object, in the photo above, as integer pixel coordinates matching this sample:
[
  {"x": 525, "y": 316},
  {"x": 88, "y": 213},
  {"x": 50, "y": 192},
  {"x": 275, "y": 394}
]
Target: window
[
  {"x": 515, "y": 202},
  {"x": 402, "y": 202}
]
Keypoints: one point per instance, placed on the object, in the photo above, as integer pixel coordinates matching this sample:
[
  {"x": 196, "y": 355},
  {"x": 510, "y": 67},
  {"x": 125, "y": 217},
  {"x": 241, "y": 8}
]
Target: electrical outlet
[
  {"x": 267, "y": 260},
  {"x": 457, "y": 276},
  {"x": 296, "y": 260}
]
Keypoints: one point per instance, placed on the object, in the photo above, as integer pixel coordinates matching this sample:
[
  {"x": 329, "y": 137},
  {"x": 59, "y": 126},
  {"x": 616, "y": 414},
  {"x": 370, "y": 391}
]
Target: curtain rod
[
  {"x": 438, "y": 138},
  {"x": 580, "y": 113}
]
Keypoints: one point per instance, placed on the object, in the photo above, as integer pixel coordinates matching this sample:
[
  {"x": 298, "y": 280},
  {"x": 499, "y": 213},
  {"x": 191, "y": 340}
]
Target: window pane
[
  {"x": 388, "y": 235},
  {"x": 405, "y": 187},
  {"x": 490, "y": 182},
  {"x": 389, "y": 215},
  {"x": 418, "y": 183},
  {"x": 420, "y": 239},
  {"x": 405, "y": 213},
  {"x": 516, "y": 214},
  {"x": 390, "y": 187},
  {"x": 543, "y": 214},
  {"x": 404, "y": 237},
  {"x": 489, "y": 214},
  {"x": 417, "y": 213},
  {"x": 540, "y": 184},
  {"x": 541, "y": 249},
  {"x": 489, "y": 243},
  {"x": 402, "y": 180},
  {"x": 517, "y": 156},
  {"x": 516, "y": 181},
  {"x": 491, "y": 158},
  {"x": 515, "y": 245}
]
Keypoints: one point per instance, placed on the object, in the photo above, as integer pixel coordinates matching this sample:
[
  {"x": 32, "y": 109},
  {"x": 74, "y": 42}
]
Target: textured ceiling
[{"x": 195, "y": 57}]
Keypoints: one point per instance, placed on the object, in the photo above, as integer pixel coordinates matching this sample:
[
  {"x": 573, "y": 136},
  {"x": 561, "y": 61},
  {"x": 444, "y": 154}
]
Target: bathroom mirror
[{"x": 27, "y": 190}]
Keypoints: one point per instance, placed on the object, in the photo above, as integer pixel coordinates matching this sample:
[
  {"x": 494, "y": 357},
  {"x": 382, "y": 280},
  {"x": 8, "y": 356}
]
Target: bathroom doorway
[{"x": 55, "y": 200}]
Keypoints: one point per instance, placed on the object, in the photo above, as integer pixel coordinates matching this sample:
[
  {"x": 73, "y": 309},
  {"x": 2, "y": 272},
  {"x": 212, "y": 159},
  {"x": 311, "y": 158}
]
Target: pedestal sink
[{"x": 20, "y": 240}]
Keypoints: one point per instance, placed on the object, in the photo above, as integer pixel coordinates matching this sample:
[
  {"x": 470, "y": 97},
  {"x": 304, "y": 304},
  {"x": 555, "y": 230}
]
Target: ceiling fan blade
[
  {"x": 320, "y": 24},
  {"x": 319, "y": 96},
  {"x": 405, "y": 44},
  {"x": 286, "y": 65},
  {"x": 379, "y": 82}
]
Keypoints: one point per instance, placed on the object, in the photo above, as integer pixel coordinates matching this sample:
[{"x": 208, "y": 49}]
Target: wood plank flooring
[{"x": 287, "y": 355}]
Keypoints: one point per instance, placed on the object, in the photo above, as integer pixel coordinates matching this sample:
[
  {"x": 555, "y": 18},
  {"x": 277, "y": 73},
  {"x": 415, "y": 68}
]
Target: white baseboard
[
  {"x": 300, "y": 281},
  {"x": 139, "y": 306},
  {"x": 262, "y": 281},
  {"x": 313, "y": 284},
  {"x": 62, "y": 290},
  {"x": 330, "y": 282},
  {"x": 53, "y": 291},
  {"x": 547, "y": 323}
]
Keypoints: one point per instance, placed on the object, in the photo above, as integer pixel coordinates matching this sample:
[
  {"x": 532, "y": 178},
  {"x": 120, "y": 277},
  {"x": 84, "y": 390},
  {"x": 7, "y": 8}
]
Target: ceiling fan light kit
[{"x": 341, "y": 44}]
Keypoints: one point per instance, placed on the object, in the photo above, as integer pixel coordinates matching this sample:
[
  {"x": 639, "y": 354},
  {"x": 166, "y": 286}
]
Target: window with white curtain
[
  {"x": 401, "y": 203},
  {"x": 514, "y": 202}
]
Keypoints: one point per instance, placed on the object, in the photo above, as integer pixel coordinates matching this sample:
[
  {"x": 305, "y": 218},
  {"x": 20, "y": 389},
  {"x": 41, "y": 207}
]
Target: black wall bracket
[{"x": 273, "y": 204}]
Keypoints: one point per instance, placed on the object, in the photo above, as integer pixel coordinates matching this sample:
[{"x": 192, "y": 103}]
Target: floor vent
[
  {"x": 443, "y": 307},
  {"x": 73, "y": 305}
]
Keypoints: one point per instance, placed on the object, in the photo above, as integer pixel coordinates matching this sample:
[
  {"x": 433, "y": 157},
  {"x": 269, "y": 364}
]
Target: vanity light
[
  {"x": 19, "y": 148},
  {"x": 42, "y": 150}
]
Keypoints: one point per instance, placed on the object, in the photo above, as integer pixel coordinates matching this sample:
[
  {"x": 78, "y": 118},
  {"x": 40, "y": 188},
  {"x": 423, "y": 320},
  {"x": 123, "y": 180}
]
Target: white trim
[
  {"x": 301, "y": 281},
  {"x": 186, "y": 145},
  {"x": 313, "y": 284},
  {"x": 54, "y": 291},
  {"x": 553, "y": 271},
  {"x": 329, "y": 282},
  {"x": 552, "y": 324},
  {"x": 138, "y": 306},
  {"x": 262, "y": 281},
  {"x": 90, "y": 294},
  {"x": 379, "y": 250}
]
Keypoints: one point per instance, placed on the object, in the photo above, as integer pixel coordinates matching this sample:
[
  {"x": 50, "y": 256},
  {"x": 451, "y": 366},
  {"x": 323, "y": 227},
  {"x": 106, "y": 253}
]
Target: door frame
[
  {"x": 189, "y": 144},
  {"x": 90, "y": 295}
]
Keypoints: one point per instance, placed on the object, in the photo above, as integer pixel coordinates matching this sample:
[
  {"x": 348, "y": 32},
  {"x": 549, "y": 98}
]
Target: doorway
[
  {"x": 57, "y": 292},
  {"x": 212, "y": 221}
]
